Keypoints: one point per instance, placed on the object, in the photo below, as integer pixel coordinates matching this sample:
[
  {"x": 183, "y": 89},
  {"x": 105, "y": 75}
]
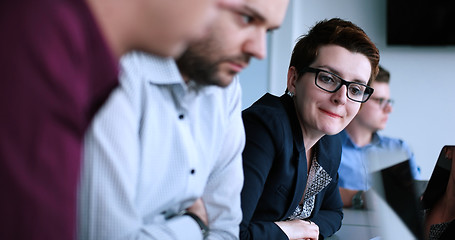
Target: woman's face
[{"x": 319, "y": 111}]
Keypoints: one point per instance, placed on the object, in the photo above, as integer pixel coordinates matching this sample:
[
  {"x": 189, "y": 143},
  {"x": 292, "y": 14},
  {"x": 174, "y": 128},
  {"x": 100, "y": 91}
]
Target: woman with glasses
[{"x": 290, "y": 161}]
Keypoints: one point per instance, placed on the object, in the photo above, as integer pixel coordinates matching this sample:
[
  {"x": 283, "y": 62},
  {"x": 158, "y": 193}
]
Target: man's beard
[{"x": 200, "y": 68}]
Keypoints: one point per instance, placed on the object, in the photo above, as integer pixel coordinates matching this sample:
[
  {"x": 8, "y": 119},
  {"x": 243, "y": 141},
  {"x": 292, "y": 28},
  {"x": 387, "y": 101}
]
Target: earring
[{"x": 290, "y": 94}]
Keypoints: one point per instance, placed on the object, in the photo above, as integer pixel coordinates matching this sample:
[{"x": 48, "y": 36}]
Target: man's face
[
  {"x": 167, "y": 27},
  {"x": 372, "y": 115},
  {"x": 235, "y": 37}
]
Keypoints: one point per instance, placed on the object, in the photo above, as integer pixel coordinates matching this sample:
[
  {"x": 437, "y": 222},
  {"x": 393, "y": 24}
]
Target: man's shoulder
[{"x": 392, "y": 142}]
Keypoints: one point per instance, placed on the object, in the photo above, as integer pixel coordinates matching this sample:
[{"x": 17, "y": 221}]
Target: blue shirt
[{"x": 353, "y": 171}]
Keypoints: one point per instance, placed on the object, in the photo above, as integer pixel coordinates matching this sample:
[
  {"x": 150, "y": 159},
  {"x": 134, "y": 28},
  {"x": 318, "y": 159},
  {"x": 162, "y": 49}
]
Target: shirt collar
[
  {"x": 164, "y": 71},
  {"x": 346, "y": 140},
  {"x": 376, "y": 139},
  {"x": 152, "y": 68}
]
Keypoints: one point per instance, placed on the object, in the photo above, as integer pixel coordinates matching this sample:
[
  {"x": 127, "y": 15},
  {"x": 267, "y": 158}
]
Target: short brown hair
[
  {"x": 383, "y": 75},
  {"x": 338, "y": 32}
]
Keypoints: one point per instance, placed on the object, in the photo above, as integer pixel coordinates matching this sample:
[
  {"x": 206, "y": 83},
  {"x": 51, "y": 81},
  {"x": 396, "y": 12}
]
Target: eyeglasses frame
[
  {"x": 369, "y": 90},
  {"x": 383, "y": 103}
]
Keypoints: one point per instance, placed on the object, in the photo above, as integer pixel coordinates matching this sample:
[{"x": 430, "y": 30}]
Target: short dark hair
[
  {"x": 338, "y": 32},
  {"x": 383, "y": 75}
]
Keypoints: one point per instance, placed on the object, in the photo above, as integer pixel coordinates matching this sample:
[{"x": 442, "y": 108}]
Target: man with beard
[{"x": 163, "y": 156}]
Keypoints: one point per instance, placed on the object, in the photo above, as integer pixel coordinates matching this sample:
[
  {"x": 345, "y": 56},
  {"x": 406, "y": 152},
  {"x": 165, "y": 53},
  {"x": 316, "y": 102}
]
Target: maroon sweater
[{"x": 55, "y": 72}]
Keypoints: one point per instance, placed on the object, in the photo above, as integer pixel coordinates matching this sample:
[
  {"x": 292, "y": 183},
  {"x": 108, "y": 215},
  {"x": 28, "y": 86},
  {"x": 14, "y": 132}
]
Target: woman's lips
[{"x": 331, "y": 114}]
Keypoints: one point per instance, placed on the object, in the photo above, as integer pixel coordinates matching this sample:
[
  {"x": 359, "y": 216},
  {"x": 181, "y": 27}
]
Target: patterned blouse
[
  {"x": 436, "y": 230},
  {"x": 318, "y": 179}
]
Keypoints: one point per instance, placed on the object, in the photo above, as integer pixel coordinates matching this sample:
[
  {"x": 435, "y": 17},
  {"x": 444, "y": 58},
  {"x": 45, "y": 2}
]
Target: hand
[
  {"x": 199, "y": 210},
  {"x": 299, "y": 229},
  {"x": 450, "y": 154},
  {"x": 348, "y": 194}
]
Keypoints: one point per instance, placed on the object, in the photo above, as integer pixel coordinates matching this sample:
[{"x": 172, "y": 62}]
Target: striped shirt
[{"x": 154, "y": 148}]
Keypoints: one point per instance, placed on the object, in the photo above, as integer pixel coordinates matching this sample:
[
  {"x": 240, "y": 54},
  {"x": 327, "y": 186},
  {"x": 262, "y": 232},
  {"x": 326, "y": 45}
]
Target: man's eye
[{"x": 247, "y": 19}]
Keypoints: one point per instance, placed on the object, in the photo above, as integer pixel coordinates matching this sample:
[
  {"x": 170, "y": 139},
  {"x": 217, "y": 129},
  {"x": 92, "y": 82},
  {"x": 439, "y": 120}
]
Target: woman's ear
[{"x": 292, "y": 78}]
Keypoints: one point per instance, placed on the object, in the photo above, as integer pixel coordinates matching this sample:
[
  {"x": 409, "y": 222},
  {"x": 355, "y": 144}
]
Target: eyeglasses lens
[{"x": 332, "y": 83}]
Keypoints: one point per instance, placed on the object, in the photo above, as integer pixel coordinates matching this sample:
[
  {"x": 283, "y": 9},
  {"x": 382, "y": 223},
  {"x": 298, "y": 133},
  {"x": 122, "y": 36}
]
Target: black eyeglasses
[
  {"x": 383, "y": 102},
  {"x": 331, "y": 83}
]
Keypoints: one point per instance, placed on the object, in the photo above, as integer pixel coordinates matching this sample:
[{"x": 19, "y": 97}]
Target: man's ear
[{"x": 292, "y": 78}]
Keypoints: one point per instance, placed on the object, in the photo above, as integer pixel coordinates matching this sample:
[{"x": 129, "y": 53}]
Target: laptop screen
[
  {"x": 396, "y": 186},
  {"x": 438, "y": 180}
]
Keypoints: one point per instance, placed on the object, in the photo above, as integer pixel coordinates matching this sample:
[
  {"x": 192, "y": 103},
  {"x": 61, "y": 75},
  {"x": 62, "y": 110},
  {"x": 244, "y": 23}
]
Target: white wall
[{"x": 422, "y": 78}]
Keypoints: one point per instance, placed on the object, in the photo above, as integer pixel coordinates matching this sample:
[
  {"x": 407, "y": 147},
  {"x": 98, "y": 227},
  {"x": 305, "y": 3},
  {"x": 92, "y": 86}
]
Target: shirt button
[
  {"x": 193, "y": 171},
  {"x": 181, "y": 116}
]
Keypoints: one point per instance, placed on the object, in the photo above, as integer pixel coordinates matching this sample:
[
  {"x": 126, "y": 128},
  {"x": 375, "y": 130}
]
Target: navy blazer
[{"x": 275, "y": 170}]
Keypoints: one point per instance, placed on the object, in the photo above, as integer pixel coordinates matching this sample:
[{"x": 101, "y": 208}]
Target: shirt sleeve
[
  {"x": 258, "y": 158},
  {"x": 108, "y": 190},
  {"x": 415, "y": 170},
  {"x": 222, "y": 193}
]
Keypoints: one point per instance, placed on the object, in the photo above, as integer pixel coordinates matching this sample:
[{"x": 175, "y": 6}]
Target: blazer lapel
[
  {"x": 298, "y": 155},
  {"x": 300, "y": 183}
]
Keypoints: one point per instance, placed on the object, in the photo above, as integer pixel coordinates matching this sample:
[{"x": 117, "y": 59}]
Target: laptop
[
  {"x": 438, "y": 181},
  {"x": 393, "y": 182}
]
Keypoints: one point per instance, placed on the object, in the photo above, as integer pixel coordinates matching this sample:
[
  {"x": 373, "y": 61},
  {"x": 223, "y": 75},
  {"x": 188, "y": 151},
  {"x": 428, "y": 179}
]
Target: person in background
[
  {"x": 290, "y": 165},
  {"x": 162, "y": 159},
  {"x": 361, "y": 138},
  {"x": 59, "y": 62}
]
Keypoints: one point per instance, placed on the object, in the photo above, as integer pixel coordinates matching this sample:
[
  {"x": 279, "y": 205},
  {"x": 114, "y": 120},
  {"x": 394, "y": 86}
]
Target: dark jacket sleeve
[{"x": 258, "y": 159}]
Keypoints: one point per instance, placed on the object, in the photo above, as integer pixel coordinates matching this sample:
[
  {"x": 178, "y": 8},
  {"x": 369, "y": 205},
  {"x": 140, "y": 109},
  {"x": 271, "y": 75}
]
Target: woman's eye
[
  {"x": 326, "y": 79},
  {"x": 355, "y": 90}
]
